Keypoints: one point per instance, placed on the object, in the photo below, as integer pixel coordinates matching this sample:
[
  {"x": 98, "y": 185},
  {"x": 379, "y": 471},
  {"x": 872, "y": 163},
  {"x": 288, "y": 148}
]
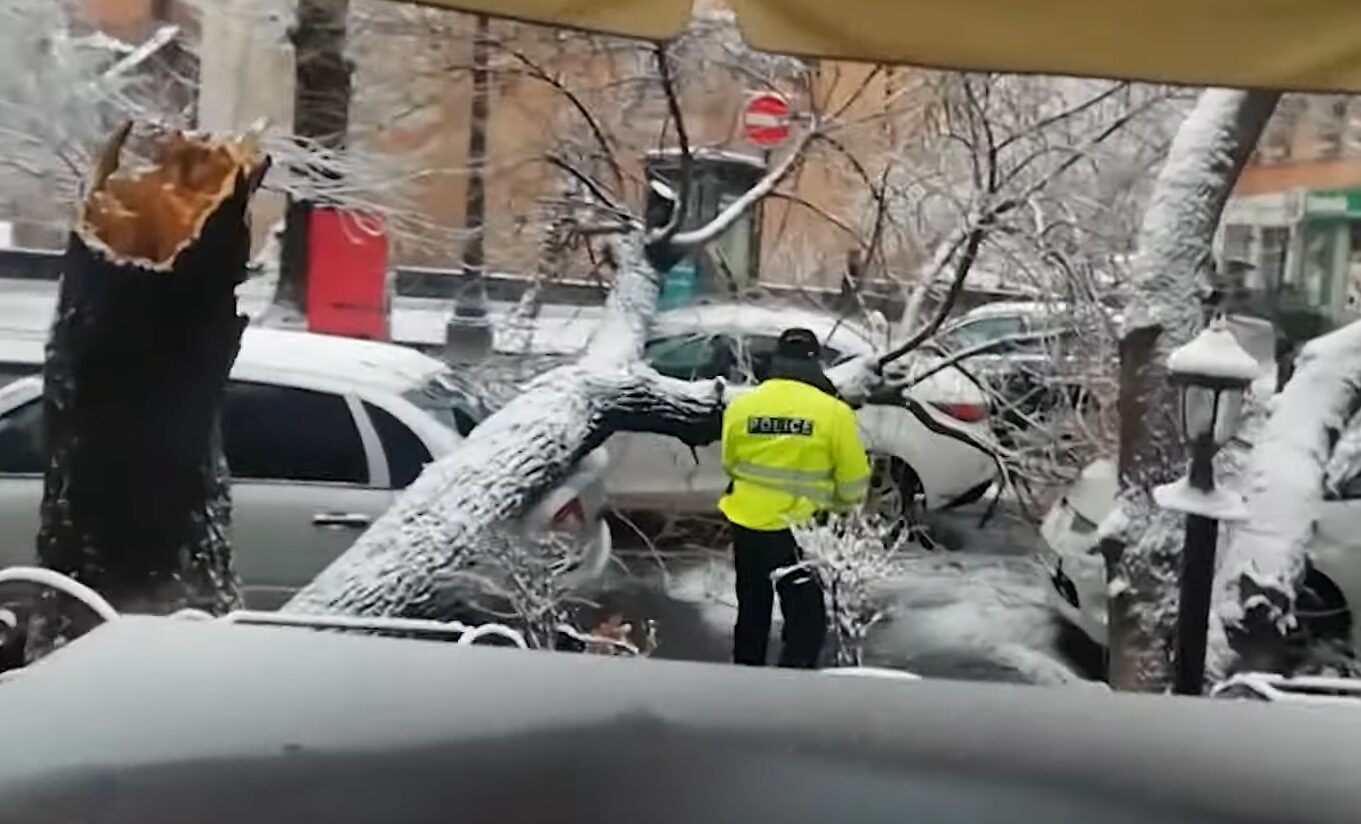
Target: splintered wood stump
[{"x": 136, "y": 501}]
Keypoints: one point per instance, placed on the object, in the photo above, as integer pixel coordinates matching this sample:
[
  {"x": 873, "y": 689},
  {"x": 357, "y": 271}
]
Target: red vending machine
[{"x": 347, "y": 280}]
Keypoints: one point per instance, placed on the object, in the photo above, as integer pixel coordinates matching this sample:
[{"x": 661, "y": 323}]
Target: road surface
[{"x": 978, "y": 613}]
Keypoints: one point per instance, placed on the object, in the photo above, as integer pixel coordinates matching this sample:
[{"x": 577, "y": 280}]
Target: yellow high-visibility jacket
[{"x": 790, "y": 450}]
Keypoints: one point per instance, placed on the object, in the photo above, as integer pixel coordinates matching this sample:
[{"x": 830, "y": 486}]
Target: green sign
[{"x": 1338, "y": 203}]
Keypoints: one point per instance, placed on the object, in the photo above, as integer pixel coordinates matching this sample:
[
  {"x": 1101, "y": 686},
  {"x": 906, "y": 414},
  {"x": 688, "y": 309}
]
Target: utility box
[{"x": 347, "y": 275}]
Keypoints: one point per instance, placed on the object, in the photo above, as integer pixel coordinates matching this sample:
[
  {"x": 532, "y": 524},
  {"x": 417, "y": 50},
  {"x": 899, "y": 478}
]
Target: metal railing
[
  {"x": 456, "y": 631},
  {"x": 1267, "y": 686}
]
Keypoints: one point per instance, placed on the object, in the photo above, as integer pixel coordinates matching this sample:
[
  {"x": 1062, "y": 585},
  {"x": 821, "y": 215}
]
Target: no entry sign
[{"x": 765, "y": 119}]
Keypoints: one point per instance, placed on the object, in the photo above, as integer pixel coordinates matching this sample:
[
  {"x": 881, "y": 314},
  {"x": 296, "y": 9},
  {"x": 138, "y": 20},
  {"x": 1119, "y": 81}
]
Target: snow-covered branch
[
  {"x": 1286, "y": 481},
  {"x": 739, "y": 207}
]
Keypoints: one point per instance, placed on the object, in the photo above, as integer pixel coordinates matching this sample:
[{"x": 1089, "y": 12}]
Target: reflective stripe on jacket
[{"x": 790, "y": 450}]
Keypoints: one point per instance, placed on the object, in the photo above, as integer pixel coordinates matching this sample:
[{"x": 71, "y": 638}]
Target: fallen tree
[
  {"x": 1295, "y": 454},
  {"x": 414, "y": 560},
  {"x": 135, "y": 498}
]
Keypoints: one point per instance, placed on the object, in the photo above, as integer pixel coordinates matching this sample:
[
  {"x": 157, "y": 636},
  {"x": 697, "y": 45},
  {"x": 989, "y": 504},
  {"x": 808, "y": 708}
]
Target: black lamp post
[{"x": 1213, "y": 372}]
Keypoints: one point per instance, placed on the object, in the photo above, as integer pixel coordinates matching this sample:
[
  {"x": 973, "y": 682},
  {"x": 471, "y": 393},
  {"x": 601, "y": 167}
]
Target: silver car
[{"x": 321, "y": 434}]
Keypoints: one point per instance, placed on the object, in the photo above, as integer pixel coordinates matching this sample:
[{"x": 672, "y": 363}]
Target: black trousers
[{"x": 756, "y": 555}]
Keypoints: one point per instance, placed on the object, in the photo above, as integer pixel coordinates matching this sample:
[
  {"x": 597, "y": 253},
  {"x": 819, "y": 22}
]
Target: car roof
[
  {"x": 1014, "y": 307},
  {"x": 383, "y": 367},
  {"x": 175, "y": 717},
  {"x": 770, "y": 319},
  {"x": 287, "y": 357}
]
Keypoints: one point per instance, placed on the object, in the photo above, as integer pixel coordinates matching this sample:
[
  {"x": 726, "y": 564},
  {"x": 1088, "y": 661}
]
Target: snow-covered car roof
[
  {"x": 770, "y": 319},
  {"x": 1014, "y": 307},
  {"x": 372, "y": 364},
  {"x": 268, "y": 354}
]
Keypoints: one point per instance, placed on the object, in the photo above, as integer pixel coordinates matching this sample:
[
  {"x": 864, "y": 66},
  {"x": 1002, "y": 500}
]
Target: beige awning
[{"x": 1307, "y": 45}]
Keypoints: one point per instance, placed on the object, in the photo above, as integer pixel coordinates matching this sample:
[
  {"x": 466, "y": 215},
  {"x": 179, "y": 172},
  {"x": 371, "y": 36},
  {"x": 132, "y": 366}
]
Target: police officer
[{"x": 791, "y": 448}]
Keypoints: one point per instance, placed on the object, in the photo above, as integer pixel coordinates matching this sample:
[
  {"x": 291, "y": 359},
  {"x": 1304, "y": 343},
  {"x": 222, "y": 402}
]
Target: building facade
[
  {"x": 1295, "y": 218},
  {"x": 411, "y": 106}
]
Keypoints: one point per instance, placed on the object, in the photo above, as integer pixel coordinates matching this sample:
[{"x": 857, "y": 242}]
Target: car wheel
[
  {"x": 895, "y": 492},
  {"x": 1322, "y": 609}
]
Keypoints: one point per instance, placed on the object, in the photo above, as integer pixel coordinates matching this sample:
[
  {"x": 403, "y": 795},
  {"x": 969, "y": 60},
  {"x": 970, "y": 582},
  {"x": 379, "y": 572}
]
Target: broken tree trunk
[
  {"x": 1170, "y": 279},
  {"x": 135, "y": 500}
]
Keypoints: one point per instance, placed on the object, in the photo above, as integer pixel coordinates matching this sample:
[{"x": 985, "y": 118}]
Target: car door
[
  {"x": 658, "y": 472},
  {"x": 305, "y": 484},
  {"x": 22, "y": 460},
  {"x": 1336, "y": 548}
]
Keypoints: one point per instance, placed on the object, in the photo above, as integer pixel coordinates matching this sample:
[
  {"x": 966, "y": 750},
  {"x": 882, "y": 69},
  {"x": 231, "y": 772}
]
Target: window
[
  {"x": 1271, "y": 255},
  {"x": 1237, "y": 243},
  {"x": 979, "y": 332},
  {"x": 22, "y": 451},
  {"x": 753, "y": 361},
  {"x": 10, "y": 372},
  {"x": 284, "y": 434},
  {"x": 689, "y": 357},
  {"x": 407, "y": 455},
  {"x": 451, "y": 402}
]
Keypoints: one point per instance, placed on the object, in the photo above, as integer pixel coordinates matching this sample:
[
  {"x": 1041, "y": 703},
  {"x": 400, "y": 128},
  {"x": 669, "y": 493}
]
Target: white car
[
  {"x": 1078, "y": 575},
  {"x": 931, "y": 443},
  {"x": 321, "y": 434}
]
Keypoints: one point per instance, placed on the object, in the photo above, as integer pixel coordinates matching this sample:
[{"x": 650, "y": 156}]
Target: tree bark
[
  {"x": 1169, "y": 282},
  {"x": 321, "y": 116},
  {"x": 135, "y": 500},
  {"x": 469, "y": 333}
]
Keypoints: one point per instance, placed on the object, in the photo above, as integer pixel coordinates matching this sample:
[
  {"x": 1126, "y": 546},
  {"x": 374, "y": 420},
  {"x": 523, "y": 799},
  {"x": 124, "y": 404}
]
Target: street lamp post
[{"x": 1213, "y": 373}]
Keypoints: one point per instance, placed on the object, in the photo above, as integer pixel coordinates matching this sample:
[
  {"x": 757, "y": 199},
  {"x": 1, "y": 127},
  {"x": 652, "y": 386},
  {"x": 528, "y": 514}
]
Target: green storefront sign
[
  {"x": 1328, "y": 252},
  {"x": 1341, "y": 204}
]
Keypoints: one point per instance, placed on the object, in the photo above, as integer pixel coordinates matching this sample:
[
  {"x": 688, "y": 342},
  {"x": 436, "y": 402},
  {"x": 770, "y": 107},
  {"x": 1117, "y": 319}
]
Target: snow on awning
[{"x": 1300, "y": 45}]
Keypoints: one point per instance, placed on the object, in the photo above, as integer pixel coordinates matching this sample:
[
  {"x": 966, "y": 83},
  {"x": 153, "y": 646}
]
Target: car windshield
[
  {"x": 976, "y": 333},
  {"x": 451, "y": 401}
]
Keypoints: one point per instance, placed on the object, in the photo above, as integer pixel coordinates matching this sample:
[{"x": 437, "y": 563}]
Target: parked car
[
  {"x": 164, "y": 721},
  {"x": 321, "y": 433},
  {"x": 1057, "y": 337},
  {"x": 1051, "y": 325},
  {"x": 930, "y": 444},
  {"x": 1332, "y": 584}
]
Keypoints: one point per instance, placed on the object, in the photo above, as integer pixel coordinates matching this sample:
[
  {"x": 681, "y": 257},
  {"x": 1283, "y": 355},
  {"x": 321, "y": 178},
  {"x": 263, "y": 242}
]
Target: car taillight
[
  {"x": 966, "y": 412},
  {"x": 572, "y": 515}
]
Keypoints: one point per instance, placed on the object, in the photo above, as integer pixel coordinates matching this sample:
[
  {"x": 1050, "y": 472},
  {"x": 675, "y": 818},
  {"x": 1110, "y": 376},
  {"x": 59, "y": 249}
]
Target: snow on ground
[{"x": 977, "y": 614}]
